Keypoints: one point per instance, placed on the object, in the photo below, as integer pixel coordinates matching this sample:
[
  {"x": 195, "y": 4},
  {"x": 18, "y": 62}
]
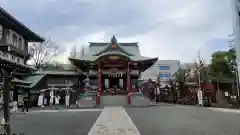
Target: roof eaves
[
  {"x": 108, "y": 46},
  {"x": 21, "y": 25}
]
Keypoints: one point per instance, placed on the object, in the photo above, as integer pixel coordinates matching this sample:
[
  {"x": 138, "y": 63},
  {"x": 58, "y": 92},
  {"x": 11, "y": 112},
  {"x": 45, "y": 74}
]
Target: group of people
[
  {"x": 13, "y": 105},
  {"x": 46, "y": 100},
  {"x": 114, "y": 90},
  {"x": 53, "y": 100},
  {"x": 24, "y": 104}
]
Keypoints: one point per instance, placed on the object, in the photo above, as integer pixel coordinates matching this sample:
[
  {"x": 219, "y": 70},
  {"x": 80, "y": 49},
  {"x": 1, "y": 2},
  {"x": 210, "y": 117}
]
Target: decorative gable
[{"x": 113, "y": 46}]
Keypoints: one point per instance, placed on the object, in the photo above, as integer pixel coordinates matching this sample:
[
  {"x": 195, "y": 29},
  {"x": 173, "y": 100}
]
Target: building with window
[
  {"x": 14, "y": 39},
  {"x": 103, "y": 66},
  {"x": 113, "y": 65},
  {"x": 162, "y": 70},
  {"x": 236, "y": 29}
]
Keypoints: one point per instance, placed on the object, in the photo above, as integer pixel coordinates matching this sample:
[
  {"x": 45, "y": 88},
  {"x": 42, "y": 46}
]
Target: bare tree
[
  {"x": 199, "y": 76},
  {"x": 180, "y": 78},
  {"x": 43, "y": 52},
  {"x": 199, "y": 63}
]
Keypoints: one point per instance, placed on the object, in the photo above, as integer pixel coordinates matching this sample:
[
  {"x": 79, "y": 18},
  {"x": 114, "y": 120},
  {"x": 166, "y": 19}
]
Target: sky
[{"x": 168, "y": 29}]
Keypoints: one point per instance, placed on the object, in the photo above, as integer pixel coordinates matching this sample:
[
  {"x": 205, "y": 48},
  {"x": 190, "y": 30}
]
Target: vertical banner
[
  {"x": 99, "y": 85},
  {"x": 99, "y": 80}
]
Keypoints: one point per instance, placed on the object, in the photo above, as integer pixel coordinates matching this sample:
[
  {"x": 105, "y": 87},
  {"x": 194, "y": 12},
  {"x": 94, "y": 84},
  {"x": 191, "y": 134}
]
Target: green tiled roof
[
  {"x": 141, "y": 58},
  {"x": 113, "y": 53},
  {"x": 88, "y": 57},
  {"x": 34, "y": 79},
  {"x": 96, "y": 50},
  {"x": 23, "y": 86},
  {"x": 108, "y": 48},
  {"x": 56, "y": 72},
  {"x": 15, "y": 80},
  {"x": 127, "y": 49},
  {"x": 98, "y": 47},
  {"x": 93, "y": 58}
]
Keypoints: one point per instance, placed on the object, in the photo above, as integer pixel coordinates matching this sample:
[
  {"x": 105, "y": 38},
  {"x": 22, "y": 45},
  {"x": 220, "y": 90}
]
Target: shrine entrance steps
[{"x": 114, "y": 100}]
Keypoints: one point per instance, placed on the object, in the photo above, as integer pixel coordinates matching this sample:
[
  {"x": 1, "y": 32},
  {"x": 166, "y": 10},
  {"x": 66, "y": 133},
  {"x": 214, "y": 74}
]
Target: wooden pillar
[
  {"x": 78, "y": 82},
  {"x": 99, "y": 84}
]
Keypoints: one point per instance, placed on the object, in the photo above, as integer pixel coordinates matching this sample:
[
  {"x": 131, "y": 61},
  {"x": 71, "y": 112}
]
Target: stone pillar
[{"x": 99, "y": 84}]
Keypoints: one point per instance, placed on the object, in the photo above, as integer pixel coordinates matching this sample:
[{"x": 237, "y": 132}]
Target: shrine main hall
[{"x": 113, "y": 64}]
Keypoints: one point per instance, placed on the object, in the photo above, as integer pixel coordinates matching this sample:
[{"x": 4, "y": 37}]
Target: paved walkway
[
  {"x": 114, "y": 121},
  {"x": 166, "y": 119}
]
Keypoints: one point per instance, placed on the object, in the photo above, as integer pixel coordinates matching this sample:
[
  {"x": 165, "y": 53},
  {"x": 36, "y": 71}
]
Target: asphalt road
[
  {"x": 170, "y": 120},
  {"x": 160, "y": 120},
  {"x": 54, "y": 123}
]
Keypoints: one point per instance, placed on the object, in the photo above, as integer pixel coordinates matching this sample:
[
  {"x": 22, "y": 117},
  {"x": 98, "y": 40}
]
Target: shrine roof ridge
[{"x": 106, "y": 43}]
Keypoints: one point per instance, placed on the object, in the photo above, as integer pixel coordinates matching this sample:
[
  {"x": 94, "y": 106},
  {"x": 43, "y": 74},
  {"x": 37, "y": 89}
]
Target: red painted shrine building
[{"x": 113, "y": 65}]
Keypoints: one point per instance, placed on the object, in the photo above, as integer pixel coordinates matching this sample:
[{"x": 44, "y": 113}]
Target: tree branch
[{"x": 43, "y": 52}]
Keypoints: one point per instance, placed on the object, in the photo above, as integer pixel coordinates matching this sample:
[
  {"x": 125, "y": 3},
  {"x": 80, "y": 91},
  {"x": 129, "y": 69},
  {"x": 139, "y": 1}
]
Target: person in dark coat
[
  {"x": 25, "y": 104},
  {"x": 54, "y": 101}
]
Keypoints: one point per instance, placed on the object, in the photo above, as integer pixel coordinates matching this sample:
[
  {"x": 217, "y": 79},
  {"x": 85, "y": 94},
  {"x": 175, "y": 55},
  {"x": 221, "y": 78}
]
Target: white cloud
[
  {"x": 168, "y": 29},
  {"x": 183, "y": 30}
]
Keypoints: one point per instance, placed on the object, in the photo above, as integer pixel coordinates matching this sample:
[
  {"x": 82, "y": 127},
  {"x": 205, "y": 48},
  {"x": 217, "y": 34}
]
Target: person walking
[
  {"x": 25, "y": 104},
  {"x": 54, "y": 101},
  {"x": 57, "y": 98},
  {"x": 21, "y": 102},
  {"x": 158, "y": 93},
  {"x": 45, "y": 101}
]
